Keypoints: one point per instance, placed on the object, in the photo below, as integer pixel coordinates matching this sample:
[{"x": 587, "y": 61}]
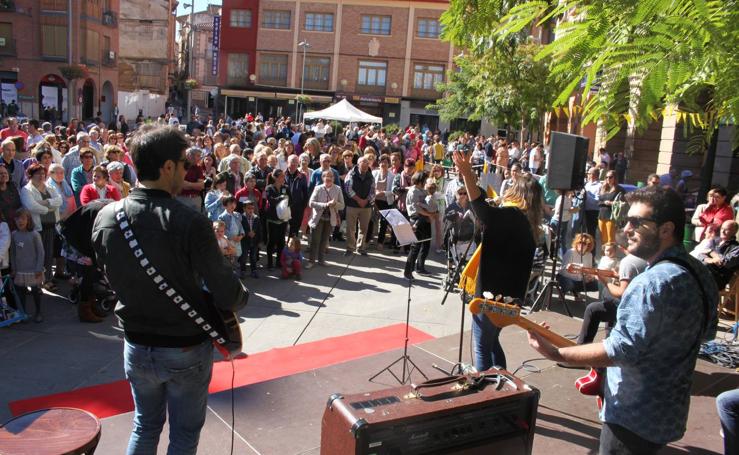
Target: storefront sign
[
  {"x": 391, "y": 99},
  {"x": 216, "y": 44},
  {"x": 367, "y": 99}
]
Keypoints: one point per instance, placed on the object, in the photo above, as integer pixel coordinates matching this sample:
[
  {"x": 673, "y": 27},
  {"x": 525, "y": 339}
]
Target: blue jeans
[
  {"x": 728, "y": 412},
  {"x": 173, "y": 379},
  {"x": 563, "y": 245},
  {"x": 486, "y": 346}
]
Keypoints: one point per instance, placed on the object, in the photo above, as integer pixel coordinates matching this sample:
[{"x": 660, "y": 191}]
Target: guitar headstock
[{"x": 501, "y": 314}]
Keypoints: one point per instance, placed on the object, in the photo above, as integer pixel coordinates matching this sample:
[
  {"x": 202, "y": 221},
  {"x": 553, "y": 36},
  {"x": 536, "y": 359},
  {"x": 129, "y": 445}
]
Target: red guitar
[{"x": 503, "y": 314}]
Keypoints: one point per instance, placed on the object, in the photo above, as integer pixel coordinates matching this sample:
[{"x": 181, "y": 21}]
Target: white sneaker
[{"x": 308, "y": 265}]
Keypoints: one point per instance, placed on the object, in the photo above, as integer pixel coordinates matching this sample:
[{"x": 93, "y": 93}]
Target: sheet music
[{"x": 400, "y": 225}]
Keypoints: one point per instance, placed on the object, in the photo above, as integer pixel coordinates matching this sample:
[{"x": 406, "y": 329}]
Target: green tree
[{"x": 503, "y": 83}]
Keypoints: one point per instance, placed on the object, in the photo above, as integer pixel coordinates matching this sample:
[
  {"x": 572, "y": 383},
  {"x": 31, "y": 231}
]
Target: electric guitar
[
  {"x": 504, "y": 314},
  {"x": 580, "y": 269}
]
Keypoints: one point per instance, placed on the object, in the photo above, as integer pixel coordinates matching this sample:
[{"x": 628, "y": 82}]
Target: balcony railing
[
  {"x": 7, "y": 5},
  {"x": 109, "y": 58},
  {"x": 8, "y": 48},
  {"x": 371, "y": 89},
  {"x": 110, "y": 18}
]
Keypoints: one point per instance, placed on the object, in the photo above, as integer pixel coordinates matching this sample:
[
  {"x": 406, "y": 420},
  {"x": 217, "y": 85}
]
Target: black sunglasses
[{"x": 638, "y": 221}]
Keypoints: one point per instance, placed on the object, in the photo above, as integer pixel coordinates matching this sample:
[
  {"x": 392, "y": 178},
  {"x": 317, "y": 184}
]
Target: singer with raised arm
[
  {"x": 167, "y": 355},
  {"x": 509, "y": 236}
]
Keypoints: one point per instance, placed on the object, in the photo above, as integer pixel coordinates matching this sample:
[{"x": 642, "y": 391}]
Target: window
[
  {"x": 238, "y": 69},
  {"x": 425, "y": 77},
  {"x": 319, "y": 22},
  {"x": 54, "y": 40},
  {"x": 317, "y": 70},
  {"x": 428, "y": 28},
  {"x": 376, "y": 25},
  {"x": 276, "y": 19},
  {"x": 6, "y": 37},
  {"x": 92, "y": 45},
  {"x": 241, "y": 18},
  {"x": 150, "y": 75},
  {"x": 372, "y": 73},
  {"x": 273, "y": 69}
]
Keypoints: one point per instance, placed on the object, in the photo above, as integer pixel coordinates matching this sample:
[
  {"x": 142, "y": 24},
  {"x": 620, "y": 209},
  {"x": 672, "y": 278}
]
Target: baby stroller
[
  {"x": 8, "y": 314},
  {"x": 459, "y": 238}
]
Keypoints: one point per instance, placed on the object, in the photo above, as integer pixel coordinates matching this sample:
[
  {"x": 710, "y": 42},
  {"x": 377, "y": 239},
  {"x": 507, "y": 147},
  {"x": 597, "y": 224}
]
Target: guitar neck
[
  {"x": 557, "y": 340},
  {"x": 597, "y": 272}
]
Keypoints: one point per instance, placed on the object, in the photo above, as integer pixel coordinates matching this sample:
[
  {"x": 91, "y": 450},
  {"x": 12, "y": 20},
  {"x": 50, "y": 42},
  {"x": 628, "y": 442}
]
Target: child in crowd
[
  {"x": 291, "y": 259},
  {"x": 234, "y": 230},
  {"x": 252, "y": 225},
  {"x": 27, "y": 257},
  {"x": 228, "y": 250}
]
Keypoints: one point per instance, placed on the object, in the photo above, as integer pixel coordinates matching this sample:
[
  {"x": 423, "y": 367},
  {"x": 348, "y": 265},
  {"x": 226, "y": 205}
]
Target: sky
[{"x": 200, "y": 5}]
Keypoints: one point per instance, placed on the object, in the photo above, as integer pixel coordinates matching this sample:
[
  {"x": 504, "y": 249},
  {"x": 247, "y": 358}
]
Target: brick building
[
  {"x": 384, "y": 56},
  {"x": 147, "y": 58},
  {"x": 39, "y": 37}
]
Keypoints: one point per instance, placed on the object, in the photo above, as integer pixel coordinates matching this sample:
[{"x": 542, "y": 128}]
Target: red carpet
[{"x": 114, "y": 398}]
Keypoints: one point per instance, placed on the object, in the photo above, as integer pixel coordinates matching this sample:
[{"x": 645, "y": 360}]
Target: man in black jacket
[
  {"x": 360, "y": 198},
  {"x": 168, "y": 358},
  {"x": 297, "y": 184}
]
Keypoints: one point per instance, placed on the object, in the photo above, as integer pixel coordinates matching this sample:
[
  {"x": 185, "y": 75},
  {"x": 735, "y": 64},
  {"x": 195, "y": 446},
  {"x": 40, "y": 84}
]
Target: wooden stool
[{"x": 51, "y": 431}]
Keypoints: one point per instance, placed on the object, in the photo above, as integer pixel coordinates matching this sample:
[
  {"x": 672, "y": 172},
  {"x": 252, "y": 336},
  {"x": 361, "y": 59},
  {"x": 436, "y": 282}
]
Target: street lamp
[{"x": 305, "y": 45}]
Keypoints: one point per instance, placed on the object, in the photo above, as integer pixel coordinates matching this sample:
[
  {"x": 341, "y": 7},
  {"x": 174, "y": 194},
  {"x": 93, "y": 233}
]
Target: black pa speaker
[{"x": 567, "y": 156}]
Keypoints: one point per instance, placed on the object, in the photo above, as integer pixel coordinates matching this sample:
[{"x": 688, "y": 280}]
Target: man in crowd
[
  {"x": 168, "y": 358},
  {"x": 72, "y": 159},
  {"x": 360, "y": 191},
  {"x": 14, "y": 166},
  {"x": 297, "y": 185},
  {"x": 12, "y": 130},
  {"x": 194, "y": 182},
  {"x": 723, "y": 259},
  {"x": 235, "y": 154},
  {"x": 675, "y": 295}
]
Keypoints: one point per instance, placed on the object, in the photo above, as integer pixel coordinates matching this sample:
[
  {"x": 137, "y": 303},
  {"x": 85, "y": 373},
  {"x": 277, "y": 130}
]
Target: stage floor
[{"x": 283, "y": 416}]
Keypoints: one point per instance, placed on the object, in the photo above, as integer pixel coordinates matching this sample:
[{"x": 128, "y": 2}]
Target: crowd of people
[{"x": 277, "y": 193}]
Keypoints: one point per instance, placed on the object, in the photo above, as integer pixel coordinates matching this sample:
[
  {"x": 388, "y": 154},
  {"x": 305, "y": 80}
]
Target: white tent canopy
[{"x": 343, "y": 111}]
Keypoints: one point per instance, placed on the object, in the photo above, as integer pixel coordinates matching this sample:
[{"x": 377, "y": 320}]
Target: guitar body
[
  {"x": 226, "y": 323},
  {"x": 591, "y": 384}
]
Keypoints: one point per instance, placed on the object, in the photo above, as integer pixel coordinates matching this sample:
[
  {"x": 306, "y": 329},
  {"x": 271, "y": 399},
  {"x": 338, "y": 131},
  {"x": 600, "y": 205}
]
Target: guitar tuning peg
[
  {"x": 499, "y": 297},
  {"x": 507, "y": 299},
  {"x": 488, "y": 295}
]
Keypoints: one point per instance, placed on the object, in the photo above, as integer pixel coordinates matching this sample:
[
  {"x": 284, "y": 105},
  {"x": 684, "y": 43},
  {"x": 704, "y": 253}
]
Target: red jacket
[
  {"x": 255, "y": 195},
  {"x": 716, "y": 216},
  {"x": 90, "y": 193}
]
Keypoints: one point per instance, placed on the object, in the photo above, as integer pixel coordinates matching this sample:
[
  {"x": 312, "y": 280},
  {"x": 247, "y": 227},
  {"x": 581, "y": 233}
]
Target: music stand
[{"x": 400, "y": 226}]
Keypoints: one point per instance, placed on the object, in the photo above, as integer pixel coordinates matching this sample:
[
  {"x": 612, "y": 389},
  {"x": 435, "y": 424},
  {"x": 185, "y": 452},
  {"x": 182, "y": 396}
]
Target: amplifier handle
[{"x": 438, "y": 381}]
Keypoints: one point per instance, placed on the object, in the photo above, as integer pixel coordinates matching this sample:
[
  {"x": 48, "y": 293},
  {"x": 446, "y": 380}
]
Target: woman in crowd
[
  {"x": 714, "y": 213},
  {"x": 42, "y": 201},
  {"x": 82, "y": 174},
  {"x": 10, "y": 199},
  {"x": 384, "y": 197},
  {"x": 610, "y": 191},
  {"x": 209, "y": 167},
  {"x": 276, "y": 227},
  {"x": 214, "y": 199},
  {"x": 207, "y": 146},
  {"x": 100, "y": 188},
  {"x": 325, "y": 203},
  {"x": 581, "y": 253},
  {"x": 115, "y": 173}
]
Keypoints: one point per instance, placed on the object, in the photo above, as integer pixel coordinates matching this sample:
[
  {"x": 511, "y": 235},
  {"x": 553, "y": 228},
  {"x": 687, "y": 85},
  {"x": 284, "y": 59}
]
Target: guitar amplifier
[{"x": 483, "y": 413}]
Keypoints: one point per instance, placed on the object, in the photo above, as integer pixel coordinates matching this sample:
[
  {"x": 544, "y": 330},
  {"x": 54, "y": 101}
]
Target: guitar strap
[
  {"x": 159, "y": 281},
  {"x": 689, "y": 269}
]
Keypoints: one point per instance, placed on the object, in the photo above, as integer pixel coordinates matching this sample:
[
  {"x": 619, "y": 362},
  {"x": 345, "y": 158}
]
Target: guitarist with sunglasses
[
  {"x": 664, "y": 315},
  {"x": 168, "y": 358}
]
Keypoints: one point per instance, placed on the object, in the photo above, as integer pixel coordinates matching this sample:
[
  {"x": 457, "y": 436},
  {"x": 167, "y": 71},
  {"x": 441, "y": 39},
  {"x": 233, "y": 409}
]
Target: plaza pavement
[{"x": 352, "y": 294}]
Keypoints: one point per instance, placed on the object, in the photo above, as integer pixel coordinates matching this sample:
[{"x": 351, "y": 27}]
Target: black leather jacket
[{"x": 180, "y": 243}]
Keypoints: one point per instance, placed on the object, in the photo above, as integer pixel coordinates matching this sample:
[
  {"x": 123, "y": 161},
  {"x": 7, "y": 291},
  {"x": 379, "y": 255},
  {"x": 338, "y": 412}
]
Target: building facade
[
  {"x": 39, "y": 39},
  {"x": 383, "y": 56},
  {"x": 147, "y": 59},
  {"x": 204, "y": 96}
]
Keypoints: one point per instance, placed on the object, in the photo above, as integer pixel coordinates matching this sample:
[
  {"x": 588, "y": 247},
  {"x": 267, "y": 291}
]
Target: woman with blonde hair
[{"x": 581, "y": 254}]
